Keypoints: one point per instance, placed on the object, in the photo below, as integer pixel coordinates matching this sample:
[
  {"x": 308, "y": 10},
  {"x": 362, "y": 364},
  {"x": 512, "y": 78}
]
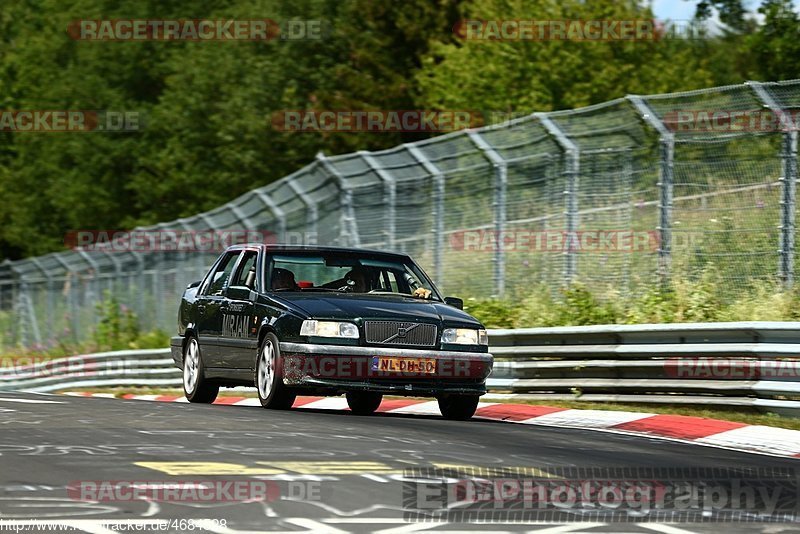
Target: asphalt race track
[{"x": 327, "y": 471}]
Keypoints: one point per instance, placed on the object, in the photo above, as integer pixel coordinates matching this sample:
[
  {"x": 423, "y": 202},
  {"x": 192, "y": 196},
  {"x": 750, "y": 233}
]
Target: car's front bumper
[{"x": 354, "y": 368}]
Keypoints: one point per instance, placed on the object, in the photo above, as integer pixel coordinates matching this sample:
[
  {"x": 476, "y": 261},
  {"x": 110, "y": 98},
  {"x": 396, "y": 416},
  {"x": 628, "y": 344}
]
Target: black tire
[
  {"x": 196, "y": 387},
  {"x": 458, "y": 407},
  {"x": 363, "y": 402},
  {"x": 272, "y": 392}
]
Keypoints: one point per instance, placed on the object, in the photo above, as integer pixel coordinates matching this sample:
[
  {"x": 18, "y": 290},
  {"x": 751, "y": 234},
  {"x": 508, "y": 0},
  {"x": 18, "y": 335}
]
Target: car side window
[
  {"x": 221, "y": 274},
  {"x": 245, "y": 274}
]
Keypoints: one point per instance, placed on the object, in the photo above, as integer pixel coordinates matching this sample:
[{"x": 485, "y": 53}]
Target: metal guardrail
[
  {"x": 754, "y": 364},
  {"x": 734, "y": 364},
  {"x": 152, "y": 368}
]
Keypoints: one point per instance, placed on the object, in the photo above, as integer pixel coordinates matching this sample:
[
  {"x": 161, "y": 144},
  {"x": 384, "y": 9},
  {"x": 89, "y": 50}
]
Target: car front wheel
[
  {"x": 363, "y": 402},
  {"x": 269, "y": 377},
  {"x": 195, "y": 385},
  {"x": 458, "y": 407}
]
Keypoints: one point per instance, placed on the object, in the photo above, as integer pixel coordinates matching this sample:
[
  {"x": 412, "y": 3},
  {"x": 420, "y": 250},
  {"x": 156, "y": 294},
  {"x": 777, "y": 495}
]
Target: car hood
[{"x": 349, "y": 307}]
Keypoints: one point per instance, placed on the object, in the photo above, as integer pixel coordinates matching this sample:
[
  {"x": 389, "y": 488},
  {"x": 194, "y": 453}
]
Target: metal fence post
[
  {"x": 788, "y": 206},
  {"x": 279, "y": 214},
  {"x": 311, "y": 206},
  {"x": 73, "y": 305},
  {"x": 666, "y": 184},
  {"x": 349, "y": 228},
  {"x": 25, "y": 312},
  {"x": 438, "y": 210},
  {"x": 788, "y": 184},
  {"x": 94, "y": 282},
  {"x": 500, "y": 186},
  {"x": 51, "y": 305},
  {"x": 390, "y": 196},
  {"x": 237, "y": 213},
  {"x": 572, "y": 156}
]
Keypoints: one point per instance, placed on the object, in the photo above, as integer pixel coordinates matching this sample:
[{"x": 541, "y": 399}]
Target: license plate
[{"x": 404, "y": 365}]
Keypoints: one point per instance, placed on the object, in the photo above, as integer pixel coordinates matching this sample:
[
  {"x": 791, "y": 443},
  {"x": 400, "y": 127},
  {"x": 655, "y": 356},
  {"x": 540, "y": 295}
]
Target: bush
[
  {"x": 700, "y": 299},
  {"x": 118, "y": 328}
]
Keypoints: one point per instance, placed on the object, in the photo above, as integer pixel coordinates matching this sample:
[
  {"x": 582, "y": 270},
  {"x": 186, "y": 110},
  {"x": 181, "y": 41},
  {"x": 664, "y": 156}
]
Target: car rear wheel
[
  {"x": 363, "y": 402},
  {"x": 458, "y": 407},
  {"x": 272, "y": 392},
  {"x": 195, "y": 385}
]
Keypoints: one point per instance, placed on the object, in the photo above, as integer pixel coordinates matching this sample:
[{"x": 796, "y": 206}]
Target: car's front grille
[{"x": 400, "y": 333}]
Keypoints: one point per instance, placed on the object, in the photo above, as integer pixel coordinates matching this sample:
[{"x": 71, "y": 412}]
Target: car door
[
  {"x": 239, "y": 329},
  {"x": 209, "y": 309}
]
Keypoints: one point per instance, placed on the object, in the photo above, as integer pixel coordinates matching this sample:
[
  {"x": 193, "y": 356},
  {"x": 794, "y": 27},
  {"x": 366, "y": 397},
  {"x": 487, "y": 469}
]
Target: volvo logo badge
[{"x": 402, "y": 333}]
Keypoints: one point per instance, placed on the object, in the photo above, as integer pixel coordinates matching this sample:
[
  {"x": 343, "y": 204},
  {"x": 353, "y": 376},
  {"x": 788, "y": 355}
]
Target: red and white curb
[{"x": 697, "y": 430}]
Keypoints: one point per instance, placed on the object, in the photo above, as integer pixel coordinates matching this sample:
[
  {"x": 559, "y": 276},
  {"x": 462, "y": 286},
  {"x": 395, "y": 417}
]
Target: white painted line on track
[
  {"x": 411, "y": 527},
  {"x": 313, "y": 526},
  {"x": 30, "y": 401},
  {"x": 562, "y": 529},
  {"x": 423, "y": 408},
  {"x": 145, "y": 397},
  {"x": 587, "y": 418},
  {"x": 665, "y": 529},
  {"x": 328, "y": 403},
  {"x": 248, "y": 402},
  {"x": 775, "y": 440}
]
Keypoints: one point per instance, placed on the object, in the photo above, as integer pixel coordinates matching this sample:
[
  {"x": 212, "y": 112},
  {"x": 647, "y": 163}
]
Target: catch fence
[{"x": 619, "y": 195}]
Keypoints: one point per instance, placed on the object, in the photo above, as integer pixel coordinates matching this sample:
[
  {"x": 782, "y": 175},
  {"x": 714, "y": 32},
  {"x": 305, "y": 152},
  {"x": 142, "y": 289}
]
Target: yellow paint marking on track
[
  {"x": 208, "y": 468},
  {"x": 499, "y": 470},
  {"x": 333, "y": 468}
]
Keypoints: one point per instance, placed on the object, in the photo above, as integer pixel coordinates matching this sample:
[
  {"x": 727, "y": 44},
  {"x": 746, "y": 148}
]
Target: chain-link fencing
[{"x": 621, "y": 194}]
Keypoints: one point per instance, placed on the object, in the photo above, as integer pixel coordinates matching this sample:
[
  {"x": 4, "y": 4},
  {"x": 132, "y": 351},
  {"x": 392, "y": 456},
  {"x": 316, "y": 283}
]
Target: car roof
[{"x": 312, "y": 248}]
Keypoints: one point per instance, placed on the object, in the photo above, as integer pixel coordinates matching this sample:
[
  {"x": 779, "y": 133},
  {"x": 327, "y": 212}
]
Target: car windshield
[{"x": 348, "y": 273}]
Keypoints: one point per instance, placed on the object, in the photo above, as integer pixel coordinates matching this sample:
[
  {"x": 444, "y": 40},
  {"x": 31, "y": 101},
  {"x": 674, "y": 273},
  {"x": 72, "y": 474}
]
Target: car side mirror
[
  {"x": 454, "y": 302},
  {"x": 240, "y": 293},
  {"x": 194, "y": 284}
]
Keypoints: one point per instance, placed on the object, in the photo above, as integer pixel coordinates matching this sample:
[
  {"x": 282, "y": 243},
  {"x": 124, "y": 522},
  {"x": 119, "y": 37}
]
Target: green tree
[
  {"x": 775, "y": 46},
  {"x": 531, "y": 76}
]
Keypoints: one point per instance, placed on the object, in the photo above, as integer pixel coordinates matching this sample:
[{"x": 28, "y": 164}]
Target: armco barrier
[
  {"x": 736, "y": 364},
  {"x": 753, "y": 364}
]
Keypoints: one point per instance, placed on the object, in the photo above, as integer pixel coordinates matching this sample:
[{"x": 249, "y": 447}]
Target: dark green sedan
[{"x": 328, "y": 321}]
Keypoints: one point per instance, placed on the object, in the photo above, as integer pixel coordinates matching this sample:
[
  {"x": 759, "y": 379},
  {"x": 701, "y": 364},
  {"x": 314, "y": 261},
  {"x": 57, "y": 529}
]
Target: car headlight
[
  {"x": 464, "y": 336},
  {"x": 328, "y": 329}
]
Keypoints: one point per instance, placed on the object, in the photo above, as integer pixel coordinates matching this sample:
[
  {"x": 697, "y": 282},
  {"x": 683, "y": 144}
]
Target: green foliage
[
  {"x": 206, "y": 107},
  {"x": 118, "y": 328},
  {"x": 549, "y": 75},
  {"x": 494, "y": 313},
  {"x": 706, "y": 298},
  {"x": 775, "y": 46}
]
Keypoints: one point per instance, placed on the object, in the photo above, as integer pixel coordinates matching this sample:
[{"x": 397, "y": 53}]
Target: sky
[{"x": 684, "y": 9}]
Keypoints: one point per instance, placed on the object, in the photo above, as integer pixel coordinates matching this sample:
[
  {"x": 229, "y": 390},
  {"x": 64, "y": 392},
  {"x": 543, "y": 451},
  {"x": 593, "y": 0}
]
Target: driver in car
[
  {"x": 283, "y": 279},
  {"x": 358, "y": 279}
]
